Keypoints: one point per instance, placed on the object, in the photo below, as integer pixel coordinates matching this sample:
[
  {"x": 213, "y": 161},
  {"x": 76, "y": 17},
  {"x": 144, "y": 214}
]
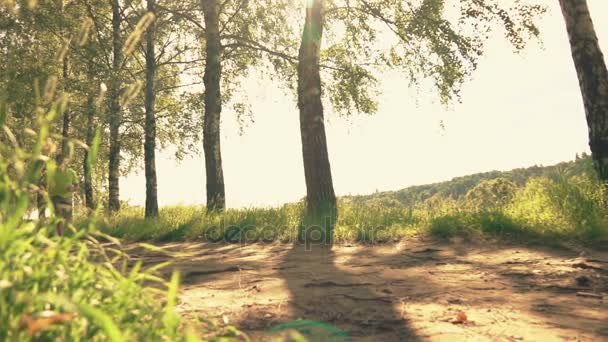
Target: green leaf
[
  {"x": 102, "y": 320},
  {"x": 171, "y": 319}
]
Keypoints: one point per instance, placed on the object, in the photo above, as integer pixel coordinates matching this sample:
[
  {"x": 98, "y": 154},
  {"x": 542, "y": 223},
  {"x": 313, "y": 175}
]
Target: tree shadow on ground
[{"x": 352, "y": 301}]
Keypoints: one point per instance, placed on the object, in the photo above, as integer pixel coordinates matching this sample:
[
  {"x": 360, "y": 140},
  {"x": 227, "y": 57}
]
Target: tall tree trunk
[
  {"x": 216, "y": 198},
  {"x": 320, "y": 196},
  {"x": 65, "y": 131},
  {"x": 88, "y": 173},
  {"x": 115, "y": 114},
  {"x": 40, "y": 200},
  {"x": 592, "y": 77},
  {"x": 150, "y": 125}
]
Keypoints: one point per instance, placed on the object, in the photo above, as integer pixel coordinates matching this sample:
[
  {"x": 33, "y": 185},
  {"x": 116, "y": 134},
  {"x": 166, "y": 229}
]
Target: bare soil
[{"x": 416, "y": 290}]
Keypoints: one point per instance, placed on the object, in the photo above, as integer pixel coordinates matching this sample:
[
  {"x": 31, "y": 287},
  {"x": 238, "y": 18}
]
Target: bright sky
[{"x": 517, "y": 111}]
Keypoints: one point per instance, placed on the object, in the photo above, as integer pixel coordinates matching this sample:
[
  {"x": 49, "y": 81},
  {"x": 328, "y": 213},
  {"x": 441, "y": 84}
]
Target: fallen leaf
[
  {"x": 37, "y": 324},
  {"x": 461, "y": 318}
]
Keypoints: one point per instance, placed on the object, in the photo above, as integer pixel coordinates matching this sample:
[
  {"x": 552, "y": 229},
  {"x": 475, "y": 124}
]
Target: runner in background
[{"x": 61, "y": 189}]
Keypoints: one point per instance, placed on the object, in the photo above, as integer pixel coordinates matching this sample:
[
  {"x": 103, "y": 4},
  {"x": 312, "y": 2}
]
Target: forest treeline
[
  {"x": 152, "y": 74},
  {"x": 459, "y": 187}
]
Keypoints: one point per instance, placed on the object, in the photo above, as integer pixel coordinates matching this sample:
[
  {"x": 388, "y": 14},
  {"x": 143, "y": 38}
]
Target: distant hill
[{"x": 459, "y": 186}]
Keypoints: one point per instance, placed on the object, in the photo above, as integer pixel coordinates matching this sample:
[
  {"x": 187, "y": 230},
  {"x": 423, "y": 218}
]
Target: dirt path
[{"x": 404, "y": 292}]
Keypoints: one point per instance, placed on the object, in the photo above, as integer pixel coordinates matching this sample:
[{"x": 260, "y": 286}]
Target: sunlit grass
[{"x": 545, "y": 208}]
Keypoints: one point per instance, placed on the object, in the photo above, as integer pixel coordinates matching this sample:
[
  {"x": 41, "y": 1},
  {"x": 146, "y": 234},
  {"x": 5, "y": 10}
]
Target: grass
[
  {"x": 546, "y": 208},
  {"x": 186, "y": 223},
  {"x": 72, "y": 288},
  {"x": 356, "y": 223},
  {"x": 73, "y": 284}
]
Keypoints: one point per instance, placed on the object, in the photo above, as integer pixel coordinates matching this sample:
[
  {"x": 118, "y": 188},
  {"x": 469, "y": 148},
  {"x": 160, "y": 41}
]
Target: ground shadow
[{"x": 353, "y": 301}]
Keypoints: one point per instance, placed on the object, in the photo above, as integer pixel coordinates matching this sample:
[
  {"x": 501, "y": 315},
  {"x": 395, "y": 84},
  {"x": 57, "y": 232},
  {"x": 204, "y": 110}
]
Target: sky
[{"x": 516, "y": 111}]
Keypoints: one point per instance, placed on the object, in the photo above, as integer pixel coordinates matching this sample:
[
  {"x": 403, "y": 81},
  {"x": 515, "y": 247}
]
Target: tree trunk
[
  {"x": 65, "y": 128},
  {"x": 592, "y": 77},
  {"x": 88, "y": 174},
  {"x": 65, "y": 131},
  {"x": 216, "y": 198},
  {"x": 40, "y": 200},
  {"x": 320, "y": 196},
  {"x": 115, "y": 114},
  {"x": 150, "y": 125}
]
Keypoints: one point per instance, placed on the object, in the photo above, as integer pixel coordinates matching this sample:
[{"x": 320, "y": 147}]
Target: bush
[
  {"x": 490, "y": 193},
  {"x": 451, "y": 225},
  {"x": 550, "y": 209},
  {"x": 565, "y": 205}
]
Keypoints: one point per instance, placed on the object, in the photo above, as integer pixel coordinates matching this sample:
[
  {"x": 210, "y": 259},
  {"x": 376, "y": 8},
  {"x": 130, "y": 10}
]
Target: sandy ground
[{"x": 411, "y": 291}]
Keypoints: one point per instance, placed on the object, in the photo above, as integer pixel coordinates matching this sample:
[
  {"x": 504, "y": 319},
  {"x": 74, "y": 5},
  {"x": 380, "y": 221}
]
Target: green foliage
[
  {"x": 451, "y": 225},
  {"x": 68, "y": 288},
  {"x": 38, "y": 34},
  {"x": 435, "y": 43},
  {"x": 570, "y": 205},
  {"x": 552, "y": 208},
  {"x": 491, "y": 193},
  {"x": 373, "y": 222}
]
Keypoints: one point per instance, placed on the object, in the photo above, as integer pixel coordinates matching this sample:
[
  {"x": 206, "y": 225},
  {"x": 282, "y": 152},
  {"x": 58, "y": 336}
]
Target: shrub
[
  {"x": 451, "y": 225},
  {"x": 490, "y": 193},
  {"x": 567, "y": 205}
]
